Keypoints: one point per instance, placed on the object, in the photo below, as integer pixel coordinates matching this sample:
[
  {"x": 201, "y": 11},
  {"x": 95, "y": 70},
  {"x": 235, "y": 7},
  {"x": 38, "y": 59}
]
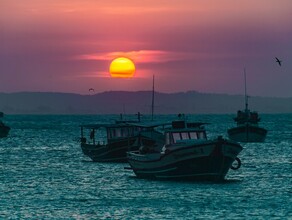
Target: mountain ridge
[{"x": 116, "y": 102}]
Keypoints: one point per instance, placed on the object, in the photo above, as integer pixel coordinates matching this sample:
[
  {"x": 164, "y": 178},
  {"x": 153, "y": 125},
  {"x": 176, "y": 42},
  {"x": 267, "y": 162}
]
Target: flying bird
[
  {"x": 91, "y": 89},
  {"x": 278, "y": 61}
]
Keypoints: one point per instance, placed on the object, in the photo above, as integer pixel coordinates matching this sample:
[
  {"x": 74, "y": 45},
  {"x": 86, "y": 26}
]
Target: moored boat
[
  {"x": 247, "y": 129},
  {"x": 186, "y": 154},
  {"x": 110, "y": 142},
  {"x": 4, "y": 129}
]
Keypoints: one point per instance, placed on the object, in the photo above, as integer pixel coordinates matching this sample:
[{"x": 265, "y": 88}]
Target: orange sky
[{"x": 67, "y": 45}]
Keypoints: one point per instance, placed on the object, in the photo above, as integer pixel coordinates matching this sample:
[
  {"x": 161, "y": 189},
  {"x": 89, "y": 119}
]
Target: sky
[{"x": 189, "y": 45}]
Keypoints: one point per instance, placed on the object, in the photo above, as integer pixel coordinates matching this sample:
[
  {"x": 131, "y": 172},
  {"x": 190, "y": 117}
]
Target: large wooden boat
[{"x": 186, "y": 154}]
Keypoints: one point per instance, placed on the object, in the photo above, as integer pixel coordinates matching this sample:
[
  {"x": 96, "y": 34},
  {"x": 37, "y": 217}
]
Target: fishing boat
[
  {"x": 107, "y": 142},
  {"x": 247, "y": 129},
  {"x": 110, "y": 142},
  {"x": 186, "y": 154},
  {"x": 4, "y": 129}
]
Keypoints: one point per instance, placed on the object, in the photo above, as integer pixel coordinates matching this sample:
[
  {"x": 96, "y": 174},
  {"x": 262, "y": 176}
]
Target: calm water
[{"x": 44, "y": 175}]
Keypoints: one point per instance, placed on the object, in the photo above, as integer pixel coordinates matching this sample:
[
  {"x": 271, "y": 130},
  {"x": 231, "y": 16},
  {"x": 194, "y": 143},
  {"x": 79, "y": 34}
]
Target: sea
[{"x": 44, "y": 175}]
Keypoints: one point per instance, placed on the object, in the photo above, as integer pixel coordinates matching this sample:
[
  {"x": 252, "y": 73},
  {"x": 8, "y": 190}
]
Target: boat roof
[
  {"x": 175, "y": 125},
  {"x": 183, "y": 126},
  {"x": 184, "y": 129},
  {"x": 149, "y": 124},
  {"x": 118, "y": 124},
  {"x": 104, "y": 125}
]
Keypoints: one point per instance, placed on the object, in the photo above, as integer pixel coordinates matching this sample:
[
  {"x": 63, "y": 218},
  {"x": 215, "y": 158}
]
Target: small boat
[
  {"x": 248, "y": 129},
  {"x": 4, "y": 129},
  {"x": 186, "y": 154},
  {"x": 110, "y": 142}
]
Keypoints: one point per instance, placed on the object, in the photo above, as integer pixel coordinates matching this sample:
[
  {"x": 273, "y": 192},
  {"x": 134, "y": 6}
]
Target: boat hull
[
  {"x": 247, "y": 133},
  {"x": 208, "y": 161},
  {"x": 115, "y": 151},
  {"x": 4, "y": 131},
  {"x": 112, "y": 152}
]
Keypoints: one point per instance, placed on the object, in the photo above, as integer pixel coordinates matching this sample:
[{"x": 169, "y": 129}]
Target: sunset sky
[{"x": 203, "y": 45}]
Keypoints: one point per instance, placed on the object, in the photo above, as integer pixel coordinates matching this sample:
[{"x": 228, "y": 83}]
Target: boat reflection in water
[{"x": 186, "y": 154}]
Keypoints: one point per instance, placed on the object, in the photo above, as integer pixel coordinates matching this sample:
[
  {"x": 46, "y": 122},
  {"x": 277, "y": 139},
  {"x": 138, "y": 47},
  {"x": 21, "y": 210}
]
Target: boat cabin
[
  {"x": 176, "y": 137},
  {"x": 184, "y": 132},
  {"x": 247, "y": 117},
  {"x": 107, "y": 133},
  {"x": 122, "y": 132}
]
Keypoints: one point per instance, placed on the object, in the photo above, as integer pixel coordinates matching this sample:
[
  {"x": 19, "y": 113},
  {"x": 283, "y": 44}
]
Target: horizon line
[{"x": 137, "y": 91}]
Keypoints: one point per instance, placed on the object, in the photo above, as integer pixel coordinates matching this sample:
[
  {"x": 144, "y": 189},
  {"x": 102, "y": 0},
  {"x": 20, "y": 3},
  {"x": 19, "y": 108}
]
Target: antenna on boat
[
  {"x": 245, "y": 94},
  {"x": 152, "y": 105}
]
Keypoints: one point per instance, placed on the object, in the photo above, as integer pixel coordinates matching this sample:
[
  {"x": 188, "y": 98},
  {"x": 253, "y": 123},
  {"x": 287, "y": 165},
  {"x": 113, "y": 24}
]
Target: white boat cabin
[
  {"x": 184, "y": 132},
  {"x": 183, "y": 136}
]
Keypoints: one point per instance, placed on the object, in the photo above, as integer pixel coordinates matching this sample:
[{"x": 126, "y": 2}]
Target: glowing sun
[{"x": 122, "y": 67}]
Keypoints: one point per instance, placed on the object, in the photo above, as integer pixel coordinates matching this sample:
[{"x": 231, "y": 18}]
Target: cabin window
[
  {"x": 112, "y": 133},
  {"x": 125, "y": 132},
  {"x": 201, "y": 135},
  {"x": 115, "y": 132},
  {"x": 176, "y": 137},
  {"x": 193, "y": 135},
  {"x": 118, "y": 132},
  {"x": 185, "y": 136},
  {"x": 131, "y": 132},
  {"x": 101, "y": 136},
  {"x": 136, "y": 130}
]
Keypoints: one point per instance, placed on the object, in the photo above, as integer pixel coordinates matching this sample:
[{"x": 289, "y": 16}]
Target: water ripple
[{"x": 44, "y": 175}]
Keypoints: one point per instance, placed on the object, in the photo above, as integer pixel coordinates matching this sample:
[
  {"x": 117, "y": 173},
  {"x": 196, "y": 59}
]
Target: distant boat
[
  {"x": 4, "y": 129},
  {"x": 247, "y": 129},
  {"x": 186, "y": 154},
  {"x": 110, "y": 142}
]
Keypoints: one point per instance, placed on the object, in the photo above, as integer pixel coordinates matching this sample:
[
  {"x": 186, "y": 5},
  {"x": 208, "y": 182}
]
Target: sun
[{"x": 122, "y": 67}]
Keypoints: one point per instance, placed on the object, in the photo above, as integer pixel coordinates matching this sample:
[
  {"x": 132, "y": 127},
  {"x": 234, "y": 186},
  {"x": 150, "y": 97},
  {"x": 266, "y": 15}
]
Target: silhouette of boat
[
  {"x": 186, "y": 154},
  {"x": 247, "y": 129},
  {"x": 4, "y": 129},
  {"x": 110, "y": 142}
]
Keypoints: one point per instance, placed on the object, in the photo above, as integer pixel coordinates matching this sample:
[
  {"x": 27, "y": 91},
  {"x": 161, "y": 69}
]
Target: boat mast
[
  {"x": 246, "y": 97},
  {"x": 152, "y": 105}
]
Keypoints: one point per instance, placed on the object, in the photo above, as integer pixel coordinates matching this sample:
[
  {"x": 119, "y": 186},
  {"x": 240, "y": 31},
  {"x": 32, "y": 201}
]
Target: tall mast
[
  {"x": 245, "y": 94},
  {"x": 152, "y": 105}
]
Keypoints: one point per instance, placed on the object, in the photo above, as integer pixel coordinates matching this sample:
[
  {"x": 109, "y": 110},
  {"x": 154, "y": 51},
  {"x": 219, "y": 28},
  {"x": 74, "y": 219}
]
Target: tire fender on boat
[{"x": 238, "y": 164}]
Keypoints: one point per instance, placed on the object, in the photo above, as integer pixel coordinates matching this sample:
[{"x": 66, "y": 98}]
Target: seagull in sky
[
  {"x": 91, "y": 89},
  {"x": 278, "y": 61}
]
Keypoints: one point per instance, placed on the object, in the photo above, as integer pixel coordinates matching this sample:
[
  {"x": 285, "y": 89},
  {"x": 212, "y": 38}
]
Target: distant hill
[{"x": 116, "y": 102}]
